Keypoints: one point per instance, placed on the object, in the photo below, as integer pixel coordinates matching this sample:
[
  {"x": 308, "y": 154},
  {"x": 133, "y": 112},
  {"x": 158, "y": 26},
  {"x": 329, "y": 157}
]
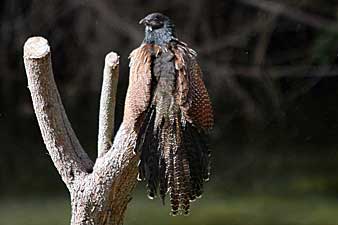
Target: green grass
[
  {"x": 37, "y": 211},
  {"x": 235, "y": 210},
  {"x": 244, "y": 210}
]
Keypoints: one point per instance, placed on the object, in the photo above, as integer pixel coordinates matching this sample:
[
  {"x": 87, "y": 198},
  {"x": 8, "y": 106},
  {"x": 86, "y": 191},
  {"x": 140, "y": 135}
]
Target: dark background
[{"x": 271, "y": 71}]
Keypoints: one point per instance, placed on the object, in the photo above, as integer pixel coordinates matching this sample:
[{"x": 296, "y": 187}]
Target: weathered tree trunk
[{"x": 99, "y": 191}]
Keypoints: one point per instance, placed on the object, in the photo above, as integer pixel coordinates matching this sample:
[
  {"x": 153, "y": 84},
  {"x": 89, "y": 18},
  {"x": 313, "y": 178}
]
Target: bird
[{"x": 168, "y": 105}]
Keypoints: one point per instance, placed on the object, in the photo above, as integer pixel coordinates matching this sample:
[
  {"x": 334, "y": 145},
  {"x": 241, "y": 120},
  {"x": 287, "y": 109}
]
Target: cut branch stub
[
  {"x": 62, "y": 144},
  {"x": 107, "y": 103}
]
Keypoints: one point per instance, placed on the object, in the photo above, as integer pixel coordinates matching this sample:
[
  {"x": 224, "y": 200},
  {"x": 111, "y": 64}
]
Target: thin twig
[
  {"x": 259, "y": 60},
  {"x": 276, "y": 72},
  {"x": 233, "y": 39},
  {"x": 294, "y": 14},
  {"x": 121, "y": 25}
]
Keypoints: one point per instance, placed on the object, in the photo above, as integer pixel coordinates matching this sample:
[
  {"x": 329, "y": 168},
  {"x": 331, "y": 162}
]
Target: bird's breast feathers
[{"x": 190, "y": 92}]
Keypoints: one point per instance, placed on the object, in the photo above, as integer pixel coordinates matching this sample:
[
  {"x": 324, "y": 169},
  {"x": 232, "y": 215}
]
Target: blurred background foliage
[{"x": 271, "y": 68}]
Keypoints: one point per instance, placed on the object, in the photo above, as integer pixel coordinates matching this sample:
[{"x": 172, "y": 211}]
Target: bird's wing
[
  {"x": 139, "y": 90},
  {"x": 192, "y": 93}
]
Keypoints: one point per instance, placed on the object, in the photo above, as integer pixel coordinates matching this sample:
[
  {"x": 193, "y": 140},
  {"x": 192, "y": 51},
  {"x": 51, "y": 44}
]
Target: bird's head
[
  {"x": 158, "y": 27},
  {"x": 155, "y": 21}
]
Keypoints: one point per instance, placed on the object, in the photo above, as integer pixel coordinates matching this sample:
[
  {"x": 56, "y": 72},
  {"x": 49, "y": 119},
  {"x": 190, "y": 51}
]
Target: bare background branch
[
  {"x": 294, "y": 14},
  {"x": 271, "y": 70}
]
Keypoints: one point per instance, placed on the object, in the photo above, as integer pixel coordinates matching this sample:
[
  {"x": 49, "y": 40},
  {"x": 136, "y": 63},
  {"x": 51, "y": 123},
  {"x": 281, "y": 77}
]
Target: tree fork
[{"x": 99, "y": 191}]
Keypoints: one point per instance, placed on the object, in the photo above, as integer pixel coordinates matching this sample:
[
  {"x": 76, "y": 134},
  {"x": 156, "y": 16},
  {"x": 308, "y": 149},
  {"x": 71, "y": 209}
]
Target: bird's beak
[
  {"x": 142, "y": 21},
  {"x": 145, "y": 22}
]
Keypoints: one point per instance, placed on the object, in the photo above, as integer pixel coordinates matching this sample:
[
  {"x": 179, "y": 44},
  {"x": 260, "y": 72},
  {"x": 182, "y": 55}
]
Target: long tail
[{"x": 174, "y": 160}]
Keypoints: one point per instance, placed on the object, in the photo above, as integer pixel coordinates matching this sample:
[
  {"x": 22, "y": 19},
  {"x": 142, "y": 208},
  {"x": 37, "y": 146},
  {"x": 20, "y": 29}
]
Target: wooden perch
[
  {"x": 99, "y": 193},
  {"x": 107, "y": 103}
]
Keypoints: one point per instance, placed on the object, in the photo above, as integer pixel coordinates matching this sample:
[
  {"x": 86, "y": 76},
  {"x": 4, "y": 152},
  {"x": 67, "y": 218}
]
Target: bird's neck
[{"x": 160, "y": 36}]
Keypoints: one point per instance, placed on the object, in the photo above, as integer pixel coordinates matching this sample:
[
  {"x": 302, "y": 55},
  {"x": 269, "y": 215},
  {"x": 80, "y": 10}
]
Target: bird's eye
[{"x": 156, "y": 23}]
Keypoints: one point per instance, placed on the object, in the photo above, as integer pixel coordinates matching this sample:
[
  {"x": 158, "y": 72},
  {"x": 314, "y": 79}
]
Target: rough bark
[
  {"x": 107, "y": 103},
  {"x": 99, "y": 192}
]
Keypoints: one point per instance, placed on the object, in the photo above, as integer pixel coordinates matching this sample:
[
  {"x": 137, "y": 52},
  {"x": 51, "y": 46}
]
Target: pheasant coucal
[{"x": 169, "y": 106}]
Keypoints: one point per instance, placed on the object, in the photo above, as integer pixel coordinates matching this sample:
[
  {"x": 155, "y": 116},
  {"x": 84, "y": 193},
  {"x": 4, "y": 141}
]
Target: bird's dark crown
[{"x": 158, "y": 29}]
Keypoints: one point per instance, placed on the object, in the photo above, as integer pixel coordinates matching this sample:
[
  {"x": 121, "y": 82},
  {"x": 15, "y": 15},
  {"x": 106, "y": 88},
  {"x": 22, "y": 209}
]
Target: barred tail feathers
[
  {"x": 199, "y": 159},
  {"x": 174, "y": 159},
  {"x": 148, "y": 167}
]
